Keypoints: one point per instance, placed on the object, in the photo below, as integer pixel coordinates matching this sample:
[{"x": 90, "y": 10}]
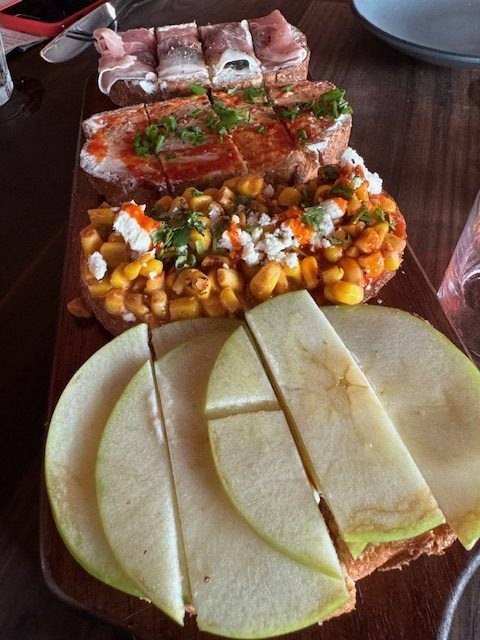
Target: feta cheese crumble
[
  {"x": 97, "y": 265},
  {"x": 132, "y": 232},
  {"x": 351, "y": 158}
]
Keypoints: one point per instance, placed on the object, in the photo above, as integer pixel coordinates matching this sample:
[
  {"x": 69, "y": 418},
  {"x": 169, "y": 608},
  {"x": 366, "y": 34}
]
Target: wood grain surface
[{"x": 416, "y": 124}]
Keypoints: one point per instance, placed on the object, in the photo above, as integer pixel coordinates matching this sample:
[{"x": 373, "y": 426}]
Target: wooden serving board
[{"x": 413, "y": 604}]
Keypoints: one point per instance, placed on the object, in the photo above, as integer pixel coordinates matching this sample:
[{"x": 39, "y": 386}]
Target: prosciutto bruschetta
[{"x": 281, "y": 49}]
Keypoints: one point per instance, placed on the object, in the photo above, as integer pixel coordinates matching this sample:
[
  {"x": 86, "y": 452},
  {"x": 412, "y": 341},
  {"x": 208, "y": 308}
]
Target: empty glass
[
  {"x": 459, "y": 292},
  {"x": 6, "y": 83}
]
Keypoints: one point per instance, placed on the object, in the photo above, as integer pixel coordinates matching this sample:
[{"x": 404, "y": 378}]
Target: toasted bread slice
[
  {"x": 109, "y": 159},
  {"x": 263, "y": 141},
  {"x": 325, "y": 137}
]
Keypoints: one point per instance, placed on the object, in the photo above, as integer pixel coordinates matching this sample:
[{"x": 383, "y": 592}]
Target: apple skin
[
  {"x": 241, "y": 586},
  {"x": 259, "y": 466},
  {"x": 136, "y": 496},
  {"x": 433, "y": 399},
  {"x": 73, "y": 437},
  {"x": 238, "y": 381},
  {"x": 345, "y": 437}
]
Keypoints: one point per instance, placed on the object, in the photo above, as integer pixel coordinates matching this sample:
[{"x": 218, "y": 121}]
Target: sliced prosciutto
[
  {"x": 229, "y": 54},
  {"x": 180, "y": 57},
  {"x": 275, "y": 43},
  {"x": 130, "y": 55}
]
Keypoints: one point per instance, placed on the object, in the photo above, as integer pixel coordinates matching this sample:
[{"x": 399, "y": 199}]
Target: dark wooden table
[{"x": 417, "y": 125}]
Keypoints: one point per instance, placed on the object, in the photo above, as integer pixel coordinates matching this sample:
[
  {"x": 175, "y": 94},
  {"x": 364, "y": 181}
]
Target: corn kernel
[
  {"x": 213, "y": 308},
  {"x": 368, "y": 241},
  {"x": 387, "y": 204},
  {"x": 332, "y": 274},
  {"x": 354, "y": 229},
  {"x": 103, "y": 216},
  {"x": 394, "y": 243},
  {"x": 250, "y": 185},
  {"x": 354, "y": 204},
  {"x": 170, "y": 279},
  {"x": 333, "y": 253},
  {"x": 90, "y": 240},
  {"x": 135, "y": 304},
  {"x": 157, "y": 282},
  {"x": 382, "y": 229},
  {"x": 362, "y": 192},
  {"x": 372, "y": 265},
  {"x": 183, "y": 308},
  {"x": 179, "y": 202},
  {"x": 152, "y": 266},
  {"x": 352, "y": 271},
  {"x": 293, "y": 272},
  {"x": 392, "y": 260},
  {"x": 200, "y": 203},
  {"x": 343, "y": 293},
  {"x": 132, "y": 270},
  {"x": 230, "y": 278},
  {"x": 230, "y": 301},
  {"x": 101, "y": 288},
  {"x": 283, "y": 285},
  {"x": 226, "y": 198},
  {"x": 118, "y": 278},
  {"x": 231, "y": 183},
  {"x": 114, "y": 253},
  {"x": 321, "y": 192},
  {"x": 352, "y": 251},
  {"x": 196, "y": 283},
  {"x": 200, "y": 241},
  {"x": 115, "y": 302},
  {"x": 79, "y": 308},
  {"x": 115, "y": 237},
  {"x": 309, "y": 266},
  {"x": 263, "y": 282},
  {"x": 159, "y": 303},
  {"x": 165, "y": 202},
  {"x": 289, "y": 197}
]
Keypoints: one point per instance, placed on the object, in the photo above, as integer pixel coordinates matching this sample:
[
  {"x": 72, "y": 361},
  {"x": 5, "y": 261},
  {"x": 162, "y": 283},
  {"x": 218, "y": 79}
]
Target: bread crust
[
  {"x": 129, "y": 92},
  {"x": 388, "y": 555}
]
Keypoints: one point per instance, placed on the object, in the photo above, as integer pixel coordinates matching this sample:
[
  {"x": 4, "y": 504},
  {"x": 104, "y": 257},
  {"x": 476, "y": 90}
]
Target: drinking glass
[
  {"x": 459, "y": 292},
  {"x": 6, "y": 82}
]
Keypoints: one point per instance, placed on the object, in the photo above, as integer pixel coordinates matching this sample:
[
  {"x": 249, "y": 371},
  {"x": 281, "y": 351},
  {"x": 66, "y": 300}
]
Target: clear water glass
[
  {"x": 6, "y": 82},
  {"x": 459, "y": 292}
]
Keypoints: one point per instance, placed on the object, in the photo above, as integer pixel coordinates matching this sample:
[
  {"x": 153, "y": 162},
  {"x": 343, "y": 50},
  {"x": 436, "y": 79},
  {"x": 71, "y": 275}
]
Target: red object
[{"x": 39, "y": 28}]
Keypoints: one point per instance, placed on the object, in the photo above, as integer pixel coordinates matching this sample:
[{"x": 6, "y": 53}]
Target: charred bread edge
[
  {"x": 125, "y": 93},
  {"x": 388, "y": 555}
]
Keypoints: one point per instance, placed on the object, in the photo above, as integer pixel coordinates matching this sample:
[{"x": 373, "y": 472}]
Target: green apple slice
[
  {"x": 431, "y": 391},
  {"x": 168, "y": 336},
  {"x": 345, "y": 437},
  {"x": 136, "y": 495},
  {"x": 238, "y": 381},
  {"x": 71, "y": 450},
  {"x": 259, "y": 466},
  {"x": 241, "y": 586}
]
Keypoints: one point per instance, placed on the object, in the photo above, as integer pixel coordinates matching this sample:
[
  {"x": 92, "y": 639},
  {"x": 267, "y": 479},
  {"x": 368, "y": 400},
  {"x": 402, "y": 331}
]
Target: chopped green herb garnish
[
  {"x": 347, "y": 240},
  {"x": 149, "y": 141},
  {"x": 233, "y": 90},
  {"x": 363, "y": 215},
  {"x": 341, "y": 190},
  {"x": 196, "y": 192},
  {"x": 196, "y": 113},
  {"x": 314, "y": 216},
  {"x": 330, "y": 104},
  {"x": 329, "y": 172},
  {"x": 302, "y": 134},
  {"x": 261, "y": 129},
  {"x": 170, "y": 156},
  {"x": 197, "y": 89},
  {"x": 226, "y": 118},
  {"x": 241, "y": 199},
  {"x": 159, "y": 142},
  {"x": 286, "y": 89},
  {"x": 290, "y": 114},
  {"x": 172, "y": 238},
  {"x": 254, "y": 92},
  {"x": 193, "y": 135}
]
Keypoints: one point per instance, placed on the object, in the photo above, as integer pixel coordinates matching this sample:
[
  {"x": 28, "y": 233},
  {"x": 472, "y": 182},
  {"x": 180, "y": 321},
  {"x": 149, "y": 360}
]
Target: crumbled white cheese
[
  {"x": 128, "y": 317},
  {"x": 97, "y": 265},
  {"x": 332, "y": 210},
  {"x": 352, "y": 158},
  {"x": 249, "y": 252},
  {"x": 269, "y": 191},
  {"x": 134, "y": 235},
  {"x": 214, "y": 212},
  {"x": 264, "y": 220},
  {"x": 225, "y": 242}
]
